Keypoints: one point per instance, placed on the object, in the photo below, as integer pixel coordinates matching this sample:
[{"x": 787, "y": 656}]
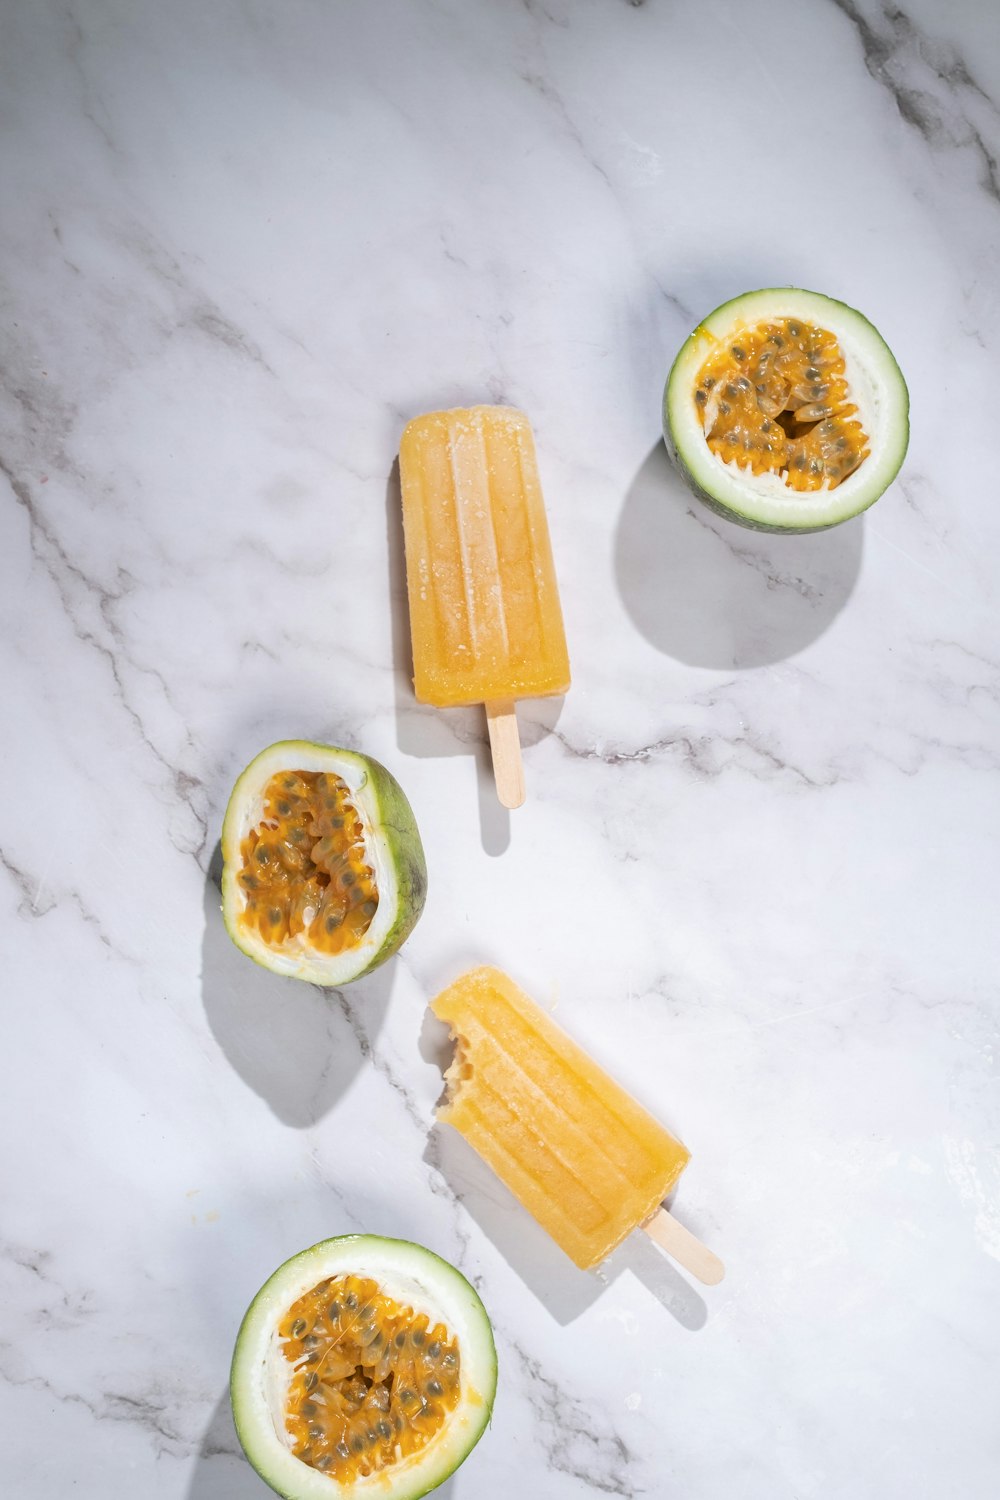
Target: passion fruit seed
[
  {"x": 304, "y": 868},
  {"x": 354, "y": 1403},
  {"x": 794, "y": 417}
]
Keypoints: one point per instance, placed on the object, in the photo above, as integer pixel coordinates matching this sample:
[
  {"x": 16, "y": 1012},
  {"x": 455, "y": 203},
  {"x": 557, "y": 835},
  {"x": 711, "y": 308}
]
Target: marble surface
[{"x": 757, "y": 871}]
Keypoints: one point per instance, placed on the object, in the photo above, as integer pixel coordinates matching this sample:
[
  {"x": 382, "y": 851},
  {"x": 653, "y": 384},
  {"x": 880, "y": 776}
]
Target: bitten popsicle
[
  {"x": 484, "y": 603},
  {"x": 582, "y": 1156}
]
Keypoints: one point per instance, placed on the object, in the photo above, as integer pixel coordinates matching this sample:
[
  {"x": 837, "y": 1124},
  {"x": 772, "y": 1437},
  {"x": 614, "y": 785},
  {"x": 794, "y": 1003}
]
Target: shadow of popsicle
[
  {"x": 562, "y": 1289},
  {"x": 425, "y": 731},
  {"x": 560, "y": 1286},
  {"x": 661, "y": 1277}
]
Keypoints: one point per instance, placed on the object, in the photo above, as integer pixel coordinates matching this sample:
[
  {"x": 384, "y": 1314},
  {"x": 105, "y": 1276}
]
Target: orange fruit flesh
[
  {"x": 304, "y": 868},
  {"x": 373, "y": 1380},
  {"x": 775, "y": 399}
]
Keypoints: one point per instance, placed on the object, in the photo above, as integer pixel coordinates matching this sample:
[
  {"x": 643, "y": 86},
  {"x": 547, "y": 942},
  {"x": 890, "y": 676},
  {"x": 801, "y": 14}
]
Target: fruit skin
[
  {"x": 401, "y": 870},
  {"x": 821, "y": 509},
  {"x": 452, "y": 1298}
]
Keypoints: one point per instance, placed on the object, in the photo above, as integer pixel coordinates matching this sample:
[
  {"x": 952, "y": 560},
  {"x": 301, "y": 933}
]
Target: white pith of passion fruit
[
  {"x": 393, "y": 851},
  {"x": 260, "y": 1375},
  {"x": 765, "y": 501}
]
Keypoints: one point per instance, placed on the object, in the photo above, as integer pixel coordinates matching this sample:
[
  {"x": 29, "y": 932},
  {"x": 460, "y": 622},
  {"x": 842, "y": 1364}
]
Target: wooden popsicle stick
[
  {"x": 505, "y": 747},
  {"x": 687, "y": 1251}
]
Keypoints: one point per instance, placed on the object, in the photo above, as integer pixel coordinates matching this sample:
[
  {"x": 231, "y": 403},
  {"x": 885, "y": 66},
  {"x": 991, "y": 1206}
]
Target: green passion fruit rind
[
  {"x": 260, "y": 1373},
  {"x": 392, "y": 849},
  {"x": 764, "y": 501}
]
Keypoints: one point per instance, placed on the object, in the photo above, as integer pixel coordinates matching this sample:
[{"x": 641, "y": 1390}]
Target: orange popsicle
[
  {"x": 578, "y": 1151},
  {"x": 484, "y": 602}
]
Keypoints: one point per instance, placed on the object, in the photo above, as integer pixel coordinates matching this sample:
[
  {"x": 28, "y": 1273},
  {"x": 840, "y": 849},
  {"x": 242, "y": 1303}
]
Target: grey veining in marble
[{"x": 757, "y": 871}]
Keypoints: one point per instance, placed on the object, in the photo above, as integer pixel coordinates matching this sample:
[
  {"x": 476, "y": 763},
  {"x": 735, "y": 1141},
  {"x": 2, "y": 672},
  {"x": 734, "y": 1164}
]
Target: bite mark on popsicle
[{"x": 580, "y": 1154}]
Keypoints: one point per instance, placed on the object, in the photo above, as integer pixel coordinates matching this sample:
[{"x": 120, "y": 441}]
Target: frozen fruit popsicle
[
  {"x": 484, "y": 603},
  {"x": 581, "y": 1155}
]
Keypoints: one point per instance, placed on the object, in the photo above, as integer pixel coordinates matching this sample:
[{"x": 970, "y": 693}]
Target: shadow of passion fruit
[
  {"x": 323, "y": 869},
  {"x": 364, "y": 1367},
  {"x": 786, "y": 411}
]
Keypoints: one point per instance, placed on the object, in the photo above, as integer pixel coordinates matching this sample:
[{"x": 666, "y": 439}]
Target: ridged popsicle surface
[
  {"x": 578, "y": 1151},
  {"x": 485, "y": 616}
]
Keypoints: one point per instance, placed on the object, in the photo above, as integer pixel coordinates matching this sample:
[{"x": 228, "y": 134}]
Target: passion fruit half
[
  {"x": 364, "y": 1367},
  {"x": 786, "y": 411},
  {"x": 323, "y": 869}
]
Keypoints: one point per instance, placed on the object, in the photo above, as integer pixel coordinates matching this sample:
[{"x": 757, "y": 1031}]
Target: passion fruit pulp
[
  {"x": 373, "y": 1379},
  {"x": 786, "y": 411},
  {"x": 363, "y": 1365},
  {"x": 323, "y": 869}
]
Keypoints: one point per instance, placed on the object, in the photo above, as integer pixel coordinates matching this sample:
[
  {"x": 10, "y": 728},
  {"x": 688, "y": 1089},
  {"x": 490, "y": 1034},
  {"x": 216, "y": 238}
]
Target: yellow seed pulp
[
  {"x": 373, "y": 1381},
  {"x": 775, "y": 399},
  {"x": 304, "y": 867}
]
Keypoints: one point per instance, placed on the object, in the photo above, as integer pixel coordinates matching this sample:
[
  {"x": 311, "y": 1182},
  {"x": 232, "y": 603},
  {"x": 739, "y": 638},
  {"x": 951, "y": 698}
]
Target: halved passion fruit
[
  {"x": 363, "y": 1367},
  {"x": 323, "y": 869},
  {"x": 786, "y": 411}
]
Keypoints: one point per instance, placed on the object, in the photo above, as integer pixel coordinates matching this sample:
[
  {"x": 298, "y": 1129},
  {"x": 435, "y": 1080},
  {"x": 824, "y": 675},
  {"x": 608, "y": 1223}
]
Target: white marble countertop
[{"x": 756, "y": 873}]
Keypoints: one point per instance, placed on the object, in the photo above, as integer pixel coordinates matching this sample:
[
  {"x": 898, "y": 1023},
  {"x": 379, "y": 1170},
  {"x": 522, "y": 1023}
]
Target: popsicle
[
  {"x": 572, "y": 1145},
  {"x": 484, "y": 603}
]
